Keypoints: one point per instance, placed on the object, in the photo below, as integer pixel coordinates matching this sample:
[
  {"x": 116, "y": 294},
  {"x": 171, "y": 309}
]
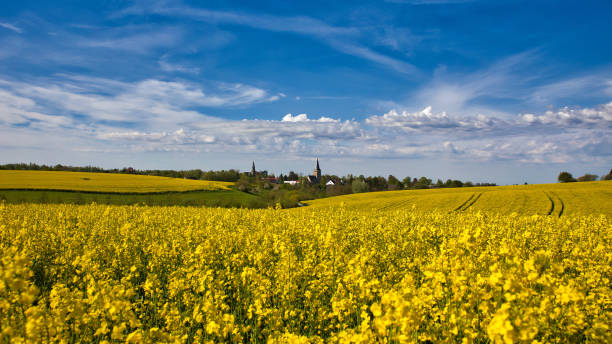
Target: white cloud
[
  {"x": 561, "y": 136},
  {"x": 512, "y": 80},
  {"x": 298, "y": 24},
  {"x": 163, "y": 116},
  {"x": 358, "y": 50},
  {"x": 16, "y": 110},
  {"x": 426, "y": 120},
  {"x": 173, "y": 67},
  {"x": 134, "y": 39},
  {"x": 599, "y": 117},
  {"x": 145, "y": 102},
  {"x": 430, "y": 135},
  {"x": 592, "y": 84},
  {"x": 11, "y": 27},
  {"x": 247, "y": 136},
  {"x": 176, "y": 137},
  {"x": 457, "y": 93},
  {"x": 304, "y": 118}
]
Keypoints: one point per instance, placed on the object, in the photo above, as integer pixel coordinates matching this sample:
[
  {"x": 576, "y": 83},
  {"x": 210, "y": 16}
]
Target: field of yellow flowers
[
  {"x": 101, "y": 182},
  {"x": 110, "y": 274},
  {"x": 586, "y": 198}
]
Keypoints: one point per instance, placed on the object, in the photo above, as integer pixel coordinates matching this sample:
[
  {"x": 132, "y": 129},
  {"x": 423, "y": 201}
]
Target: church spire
[
  {"x": 253, "y": 171},
  {"x": 317, "y": 171}
]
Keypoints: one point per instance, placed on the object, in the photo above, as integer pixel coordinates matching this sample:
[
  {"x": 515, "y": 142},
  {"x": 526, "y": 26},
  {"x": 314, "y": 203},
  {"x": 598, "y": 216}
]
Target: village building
[{"x": 316, "y": 177}]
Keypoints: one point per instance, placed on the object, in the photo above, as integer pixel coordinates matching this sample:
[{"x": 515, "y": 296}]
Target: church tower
[
  {"x": 317, "y": 171},
  {"x": 253, "y": 171}
]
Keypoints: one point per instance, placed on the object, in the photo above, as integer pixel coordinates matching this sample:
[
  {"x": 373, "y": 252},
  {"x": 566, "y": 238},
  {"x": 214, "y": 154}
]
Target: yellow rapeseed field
[
  {"x": 111, "y": 274},
  {"x": 545, "y": 199},
  {"x": 101, "y": 182}
]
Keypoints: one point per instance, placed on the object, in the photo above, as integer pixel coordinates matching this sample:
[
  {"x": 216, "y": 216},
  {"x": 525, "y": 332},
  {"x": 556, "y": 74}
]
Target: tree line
[
  {"x": 566, "y": 177},
  {"x": 274, "y": 189}
]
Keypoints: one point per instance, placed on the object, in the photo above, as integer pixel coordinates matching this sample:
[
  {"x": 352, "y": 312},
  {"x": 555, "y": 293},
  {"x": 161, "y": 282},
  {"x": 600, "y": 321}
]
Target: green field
[
  {"x": 229, "y": 198},
  {"x": 102, "y": 182},
  {"x": 544, "y": 199}
]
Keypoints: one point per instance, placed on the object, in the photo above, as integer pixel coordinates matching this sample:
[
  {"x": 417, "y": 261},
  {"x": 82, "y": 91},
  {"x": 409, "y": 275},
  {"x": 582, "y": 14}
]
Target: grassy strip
[
  {"x": 225, "y": 199},
  {"x": 111, "y": 192}
]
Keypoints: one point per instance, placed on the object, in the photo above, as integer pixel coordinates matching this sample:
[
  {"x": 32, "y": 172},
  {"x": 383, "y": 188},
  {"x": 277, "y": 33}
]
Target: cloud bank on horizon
[{"x": 374, "y": 85}]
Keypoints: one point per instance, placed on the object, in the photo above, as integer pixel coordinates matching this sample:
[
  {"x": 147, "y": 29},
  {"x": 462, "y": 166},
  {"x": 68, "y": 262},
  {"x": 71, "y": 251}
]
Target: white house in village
[{"x": 330, "y": 183}]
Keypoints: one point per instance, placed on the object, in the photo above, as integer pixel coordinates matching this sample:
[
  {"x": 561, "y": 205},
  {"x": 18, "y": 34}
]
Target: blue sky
[{"x": 500, "y": 91}]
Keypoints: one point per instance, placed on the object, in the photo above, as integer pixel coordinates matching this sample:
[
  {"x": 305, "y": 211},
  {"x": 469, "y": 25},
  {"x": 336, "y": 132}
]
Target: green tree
[
  {"x": 360, "y": 186},
  {"x": 587, "y": 178},
  {"x": 607, "y": 176},
  {"x": 423, "y": 183},
  {"x": 292, "y": 176},
  {"x": 565, "y": 177},
  {"x": 406, "y": 182},
  {"x": 393, "y": 183}
]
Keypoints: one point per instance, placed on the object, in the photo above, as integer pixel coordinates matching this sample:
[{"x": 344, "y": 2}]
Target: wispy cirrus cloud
[
  {"x": 167, "y": 66},
  {"x": 11, "y": 27},
  {"x": 343, "y": 39},
  {"x": 145, "y": 102},
  {"x": 459, "y": 93},
  {"x": 511, "y": 81},
  {"x": 17, "y": 110},
  {"x": 134, "y": 39},
  {"x": 596, "y": 83},
  {"x": 299, "y": 24}
]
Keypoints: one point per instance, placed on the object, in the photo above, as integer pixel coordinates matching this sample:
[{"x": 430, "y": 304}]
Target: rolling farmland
[
  {"x": 101, "y": 182},
  {"x": 545, "y": 199},
  {"x": 476, "y": 265},
  {"x": 139, "y": 274},
  {"x": 44, "y": 187}
]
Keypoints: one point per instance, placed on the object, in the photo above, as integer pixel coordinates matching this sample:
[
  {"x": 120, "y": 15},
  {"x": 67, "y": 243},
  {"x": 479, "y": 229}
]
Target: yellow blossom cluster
[{"x": 134, "y": 274}]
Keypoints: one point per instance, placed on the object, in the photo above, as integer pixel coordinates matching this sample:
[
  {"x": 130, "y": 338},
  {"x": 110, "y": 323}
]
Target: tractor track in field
[
  {"x": 464, "y": 203},
  {"x": 385, "y": 207},
  {"x": 562, "y": 204},
  {"x": 523, "y": 202},
  {"x": 401, "y": 204},
  {"x": 394, "y": 205},
  {"x": 472, "y": 202},
  {"x": 552, "y": 203}
]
